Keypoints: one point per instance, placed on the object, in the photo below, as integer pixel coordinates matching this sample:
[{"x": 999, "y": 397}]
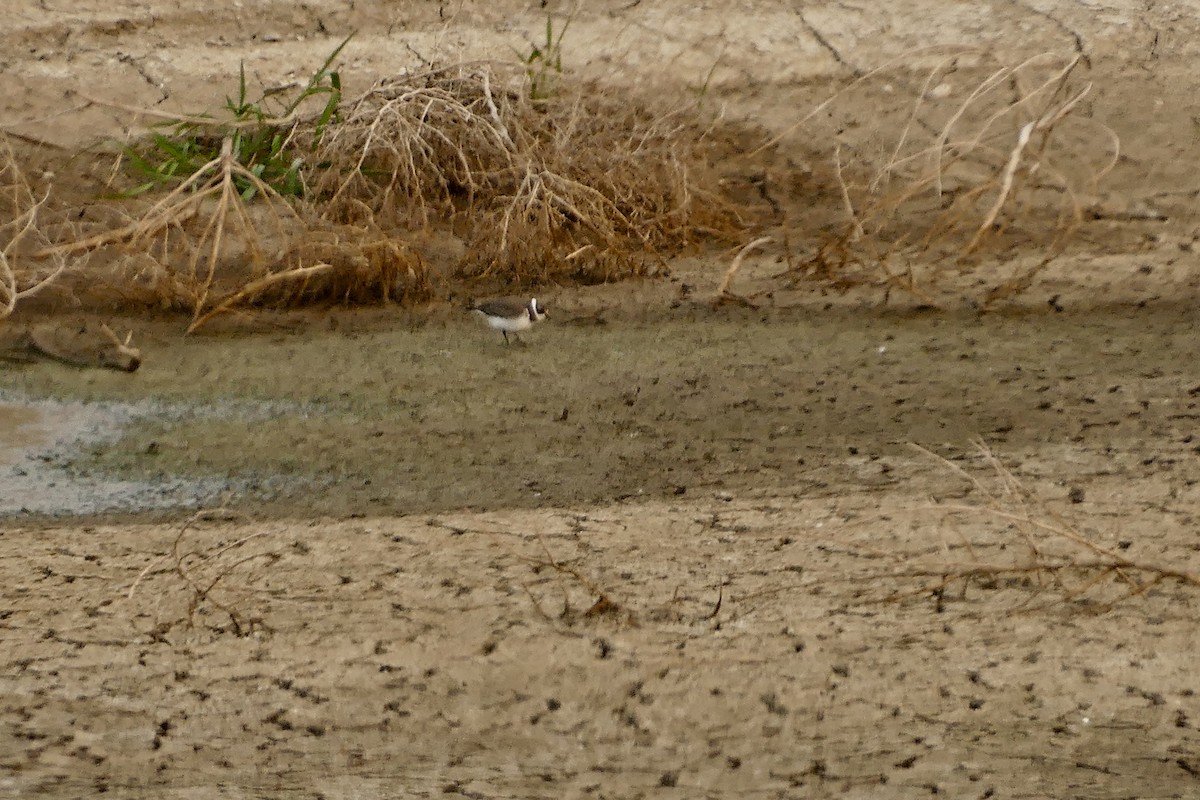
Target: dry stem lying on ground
[
  {"x": 723, "y": 294},
  {"x": 1055, "y": 555},
  {"x": 982, "y": 167},
  {"x": 80, "y": 344}
]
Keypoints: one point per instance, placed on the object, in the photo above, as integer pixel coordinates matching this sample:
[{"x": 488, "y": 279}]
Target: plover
[{"x": 510, "y": 314}]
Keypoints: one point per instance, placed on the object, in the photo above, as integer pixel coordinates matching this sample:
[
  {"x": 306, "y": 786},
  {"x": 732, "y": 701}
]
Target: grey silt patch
[{"x": 43, "y": 457}]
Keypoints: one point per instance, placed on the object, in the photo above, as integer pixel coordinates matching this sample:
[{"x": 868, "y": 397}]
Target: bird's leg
[{"x": 505, "y": 336}]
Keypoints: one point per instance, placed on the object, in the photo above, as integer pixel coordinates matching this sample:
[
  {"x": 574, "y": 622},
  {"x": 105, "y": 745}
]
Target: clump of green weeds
[
  {"x": 263, "y": 139},
  {"x": 543, "y": 65}
]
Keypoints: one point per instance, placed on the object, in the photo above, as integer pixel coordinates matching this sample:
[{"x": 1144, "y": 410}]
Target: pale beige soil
[
  {"x": 738, "y": 485},
  {"x": 746, "y": 655}
]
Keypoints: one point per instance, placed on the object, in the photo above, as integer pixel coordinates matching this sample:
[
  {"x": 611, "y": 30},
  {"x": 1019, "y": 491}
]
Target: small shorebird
[{"x": 510, "y": 314}]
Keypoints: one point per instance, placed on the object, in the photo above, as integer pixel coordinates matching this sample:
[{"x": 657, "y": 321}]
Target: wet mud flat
[
  {"x": 676, "y": 555},
  {"x": 361, "y": 415}
]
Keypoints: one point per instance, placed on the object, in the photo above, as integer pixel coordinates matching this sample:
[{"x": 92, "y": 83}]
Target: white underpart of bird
[{"x": 509, "y": 315}]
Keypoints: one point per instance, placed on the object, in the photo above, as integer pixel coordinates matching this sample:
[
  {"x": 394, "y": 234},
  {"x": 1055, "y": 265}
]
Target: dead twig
[
  {"x": 21, "y": 228},
  {"x": 203, "y": 571},
  {"x": 723, "y": 294},
  {"x": 256, "y": 288}
]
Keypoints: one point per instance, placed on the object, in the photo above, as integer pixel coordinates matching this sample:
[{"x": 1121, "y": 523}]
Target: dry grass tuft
[
  {"x": 987, "y": 159},
  {"x": 532, "y": 181},
  {"x": 205, "y": 248},
  {"x": 332, "y": 263},
  {"x": 1052, "y": 556},
  {"x": 365, "y": 266},
  {"x": 183, "y": 246}
]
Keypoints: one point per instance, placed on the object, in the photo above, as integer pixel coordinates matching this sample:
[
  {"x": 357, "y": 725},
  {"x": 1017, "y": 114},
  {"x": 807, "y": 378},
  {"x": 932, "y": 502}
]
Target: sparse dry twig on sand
[
  {"x": 1055, "y": 556},
  {"x": 602, "y": 603},
  {"x": 204, "y": 575}
]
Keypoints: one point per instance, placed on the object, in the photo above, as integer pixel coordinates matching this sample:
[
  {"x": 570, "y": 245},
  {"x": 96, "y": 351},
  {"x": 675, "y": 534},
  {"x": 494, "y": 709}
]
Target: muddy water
[{"x": 362, "y": 415}]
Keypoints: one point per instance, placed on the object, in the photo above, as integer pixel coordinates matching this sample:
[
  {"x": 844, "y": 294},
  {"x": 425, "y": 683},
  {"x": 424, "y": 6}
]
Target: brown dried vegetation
[
  {"x": 581, "y": 185},
  {"x": 991, "y": 160},
  {"x": 23, "y": 227},
  {"x": 578, "y": 186},
  {"x": 584, "y": 185}
]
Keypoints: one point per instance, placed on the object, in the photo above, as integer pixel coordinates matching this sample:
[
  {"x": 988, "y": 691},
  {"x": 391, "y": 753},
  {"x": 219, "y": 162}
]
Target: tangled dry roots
[
  {"x": 364, "y": 266},
  {"x": 582, "y": 185},
  {"x": 22, "y": 230}
]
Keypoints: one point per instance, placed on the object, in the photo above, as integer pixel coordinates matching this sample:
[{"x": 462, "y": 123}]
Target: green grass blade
[{"x": 317, "y": 76}]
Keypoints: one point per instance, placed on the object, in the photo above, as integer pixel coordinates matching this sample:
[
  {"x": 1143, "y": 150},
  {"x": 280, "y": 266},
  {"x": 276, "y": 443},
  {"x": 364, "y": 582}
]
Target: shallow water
[{"x": 43, "y": 443}]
